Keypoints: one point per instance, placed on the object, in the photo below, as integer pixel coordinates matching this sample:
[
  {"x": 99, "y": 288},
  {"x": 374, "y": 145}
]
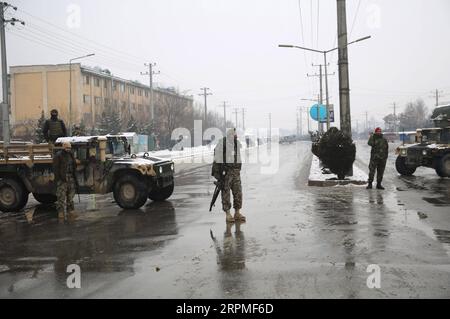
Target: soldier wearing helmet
[
  {"x": 228, "y": 153},
  {"x": 64, "y": 168},
  {"x": 54, "y": 128},
  {"x": 378, "y": 157}
]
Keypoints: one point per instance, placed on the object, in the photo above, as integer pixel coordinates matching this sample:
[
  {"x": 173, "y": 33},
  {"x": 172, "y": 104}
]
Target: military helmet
[{"x": 54, "y": 111}]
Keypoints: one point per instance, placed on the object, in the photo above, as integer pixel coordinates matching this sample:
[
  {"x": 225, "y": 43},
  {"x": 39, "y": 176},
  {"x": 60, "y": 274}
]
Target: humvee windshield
[
  {"x": 431, "y": 136},
  {"x": 116, "y": 147}
]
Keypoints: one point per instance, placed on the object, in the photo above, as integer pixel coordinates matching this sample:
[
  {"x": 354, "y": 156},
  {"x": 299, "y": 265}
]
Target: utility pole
[
  {"x": 205, "y": 95},
  {"x": 243, "y": 119},
  {"x": 150, "y": 73},
  {"x": 344, "y": 85},
  {"x": 236, "y": 112},
  {"x": 270, "y": 127},
  {"x": 320, "y": 75},
  {"x": 224, "y": 117},
  {"x": 395, "y": 116},
  {"x": 367, "y": 122},
  {"x": 437, "y": 94},
  {"x": 5, "y": 87}
]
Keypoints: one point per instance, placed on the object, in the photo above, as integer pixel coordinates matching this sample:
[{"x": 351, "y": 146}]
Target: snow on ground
[{"x": 317, "y": 178}]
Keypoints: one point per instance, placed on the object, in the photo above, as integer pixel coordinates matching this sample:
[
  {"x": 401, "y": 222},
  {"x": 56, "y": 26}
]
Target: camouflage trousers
[
  {"x": 232, "y": 184},
  {"x": 378, "y": 165},
  {"x": 65, "y": 192}
]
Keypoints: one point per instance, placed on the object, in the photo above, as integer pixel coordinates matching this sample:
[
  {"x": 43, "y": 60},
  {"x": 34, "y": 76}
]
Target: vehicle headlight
[
  {"x": 160, "y": 169},
  {"x": 424, "y": 152},
  {"x": 403, "y": 152},
  {"x": 172, "y": 167}
]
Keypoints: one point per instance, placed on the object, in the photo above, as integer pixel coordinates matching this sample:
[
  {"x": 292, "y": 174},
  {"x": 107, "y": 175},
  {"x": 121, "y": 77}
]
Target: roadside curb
[{"x": 317, "y": 179}]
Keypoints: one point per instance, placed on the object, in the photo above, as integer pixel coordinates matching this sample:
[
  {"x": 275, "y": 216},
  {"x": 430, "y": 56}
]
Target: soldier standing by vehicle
[
  {"x": 64, "y": 168},
  {"x": 54, "y": 128},
  {"x": 378, "y": 157},
  {"x": 227, "y": 168}
]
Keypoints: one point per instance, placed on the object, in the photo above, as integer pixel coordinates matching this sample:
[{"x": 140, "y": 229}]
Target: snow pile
[{"x": 318, "y": 178}]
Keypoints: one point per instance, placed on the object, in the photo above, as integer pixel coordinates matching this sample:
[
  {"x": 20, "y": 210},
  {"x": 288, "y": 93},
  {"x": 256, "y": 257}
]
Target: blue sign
[{"x": 318, "y": 112}]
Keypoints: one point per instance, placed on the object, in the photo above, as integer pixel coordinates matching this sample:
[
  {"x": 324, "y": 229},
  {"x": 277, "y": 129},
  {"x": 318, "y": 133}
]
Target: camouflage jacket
[
  {"x": 228, "y": 154},
  {"x": 380, "y": 147},
  {"x": 64, "y": 165}
]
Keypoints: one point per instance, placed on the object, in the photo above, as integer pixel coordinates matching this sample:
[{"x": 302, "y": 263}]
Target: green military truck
[
  {"x": 432, "y": 147},
  {"x": 104, "y": 165}
]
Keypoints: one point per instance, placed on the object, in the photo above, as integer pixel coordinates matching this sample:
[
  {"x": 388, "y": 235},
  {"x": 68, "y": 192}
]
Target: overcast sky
[{"x": 230, "y": 46}]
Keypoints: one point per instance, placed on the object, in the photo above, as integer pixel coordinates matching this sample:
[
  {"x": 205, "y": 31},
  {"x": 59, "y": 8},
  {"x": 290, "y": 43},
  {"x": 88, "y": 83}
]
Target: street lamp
[
  {"x": 70, "y": 88},
  {"x": 325, "y": 63}
]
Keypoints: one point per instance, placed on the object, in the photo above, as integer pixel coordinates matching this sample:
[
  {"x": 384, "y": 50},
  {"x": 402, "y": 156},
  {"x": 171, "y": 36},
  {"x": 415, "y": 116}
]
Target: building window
[
  {"x": 146, "y": 93},
  {"x": 122, "y": 87},
  {"x": 141, "y": 109},
  {"x": 133, "y": 106},
  {"x": 114, "y": 86},
  {"x": 86, "y": 99},
  {"x": 87, "y": 80},
  {"x": 140, "y": 92},
  {"x": 132, "y": 90},
  {"x": 105, "y": 84},
  {"x": 97, "y": 100},
  {"x": 97, "y": 82}
]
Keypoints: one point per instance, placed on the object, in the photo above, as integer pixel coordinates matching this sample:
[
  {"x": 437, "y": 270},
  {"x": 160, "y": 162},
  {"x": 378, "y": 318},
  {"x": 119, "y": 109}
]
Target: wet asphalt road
[{"x": 298, "y": 242}]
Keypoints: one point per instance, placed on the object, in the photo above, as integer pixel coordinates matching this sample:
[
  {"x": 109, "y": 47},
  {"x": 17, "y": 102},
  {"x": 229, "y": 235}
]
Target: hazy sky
[{"x": 230, "y": 46}]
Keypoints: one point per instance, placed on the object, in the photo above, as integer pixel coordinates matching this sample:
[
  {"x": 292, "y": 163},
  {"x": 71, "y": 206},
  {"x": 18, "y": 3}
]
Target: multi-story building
[{"x": 38, "y": 88}]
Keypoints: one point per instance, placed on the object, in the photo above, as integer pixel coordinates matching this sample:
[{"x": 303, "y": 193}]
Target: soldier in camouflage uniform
[
  {"x": 378, "y": 157},
  {"x": 64, "y": 168},
  {"x": 54, "y": 128},
  {"x": 227, "y": 160}
]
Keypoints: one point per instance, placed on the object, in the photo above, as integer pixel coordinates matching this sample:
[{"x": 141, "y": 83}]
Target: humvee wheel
[
  {"x": 161, "y": 194},
  {"x": 45, "y": 198},
  {"x": 443, "y": 167},
  {"x": 402, "y": 168},
  {"x": 130, "y": 192},
  {"x": 13, "y": 195}
]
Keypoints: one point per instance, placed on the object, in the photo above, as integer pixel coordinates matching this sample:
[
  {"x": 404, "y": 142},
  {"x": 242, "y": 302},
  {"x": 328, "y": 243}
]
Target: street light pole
[{"x": 70, "y": 88}]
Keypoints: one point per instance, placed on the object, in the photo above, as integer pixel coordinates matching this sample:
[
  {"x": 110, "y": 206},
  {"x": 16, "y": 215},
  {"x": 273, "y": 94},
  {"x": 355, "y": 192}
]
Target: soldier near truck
[
  {"x": 54, "y": 128},
  {"x": 378, "y": 157},
  {"x": 64, "y": 170}
]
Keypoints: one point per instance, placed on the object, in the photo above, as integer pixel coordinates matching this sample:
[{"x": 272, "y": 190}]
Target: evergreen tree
[
  {"x": 39, "y": 138},
  {"x": 132, "y": 125}
]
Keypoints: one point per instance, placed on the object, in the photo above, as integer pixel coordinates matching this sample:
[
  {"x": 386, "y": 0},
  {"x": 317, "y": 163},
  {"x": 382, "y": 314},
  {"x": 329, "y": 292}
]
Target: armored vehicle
[
  {"x": 104, "y": 165},
  {"x": 432, "y": 147}
]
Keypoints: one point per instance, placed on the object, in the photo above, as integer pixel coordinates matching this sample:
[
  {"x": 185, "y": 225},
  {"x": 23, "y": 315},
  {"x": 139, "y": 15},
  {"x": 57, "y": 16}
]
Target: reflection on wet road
[{"x": 299, "y": 241}]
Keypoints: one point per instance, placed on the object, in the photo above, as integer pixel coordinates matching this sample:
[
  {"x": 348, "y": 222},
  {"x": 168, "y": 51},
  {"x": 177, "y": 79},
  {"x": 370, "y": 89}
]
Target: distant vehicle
[
  {"x": 288, "y": 139},
  {"x": 432, "y": 148},
  {"x": 104, "y": 165}
]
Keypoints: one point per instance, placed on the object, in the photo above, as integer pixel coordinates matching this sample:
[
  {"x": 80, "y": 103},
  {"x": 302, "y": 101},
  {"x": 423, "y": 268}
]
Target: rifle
[{"x": 218, "y": 189}]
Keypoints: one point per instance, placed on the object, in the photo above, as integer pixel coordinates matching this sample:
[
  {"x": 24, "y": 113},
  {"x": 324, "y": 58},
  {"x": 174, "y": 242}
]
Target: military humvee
[
  {"x": 432, "y": 148},
  {"x": 104, "y": 165}
]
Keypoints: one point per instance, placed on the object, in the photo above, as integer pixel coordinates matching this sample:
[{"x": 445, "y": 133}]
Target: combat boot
[
  {"x": 369, "y": 186},
  {"x": 238, "y": 216},
  {"x": 229, "y": 218},
  {"x": 380, "y": 187}
]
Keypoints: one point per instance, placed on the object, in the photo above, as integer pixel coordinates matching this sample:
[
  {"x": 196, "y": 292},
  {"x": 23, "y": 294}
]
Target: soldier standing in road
[
  {"x": 227, "y": 160},
  {"x": 64, "y": 168},
  {"x": 54, "y": 128},
  {"x": 378, "y": 157}
]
